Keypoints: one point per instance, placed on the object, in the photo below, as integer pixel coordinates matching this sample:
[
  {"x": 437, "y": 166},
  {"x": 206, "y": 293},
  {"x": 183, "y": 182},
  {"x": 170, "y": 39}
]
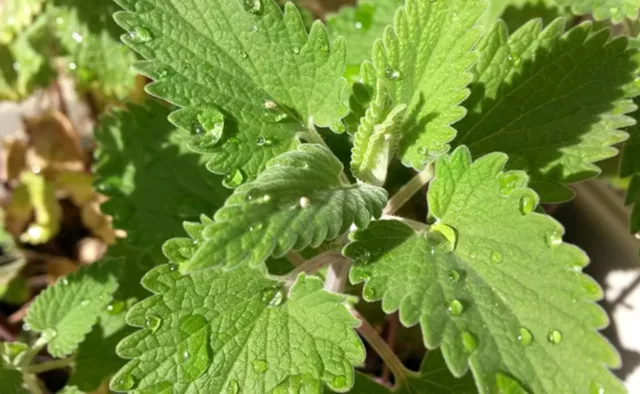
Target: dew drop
[
  {"x": 554, "y": 337},
  {"x": 359, "y": 275},
  {"x": 259, "y": 366},
  {"x": 553, "y": 237},
  {"x": 116, "y": 307},
  {"x": 152, "y": 322},
  {"x": 256, "y": 226},
  {"x": 305, "y": 202},
  {"x": 173, "y": 267},
  {"x": 455, "y": 308},
  {"x": 253, "y": 6},
  {"x": 324, "y": 48},
  {"x": 213, "y": 123},
  {"x": 233, "y": 387},
  {"x": 64, "y": 282},
  {"x": 469, "y": 341},
  {"x": 140, "y": 34},
  {"x": 77, "y": 37},
  {"x": 524, "y": 336},
  {"x": 454, "y": 276},
  {"x": 509, "y": 181},
  {"x": 253, "y": 29},
  {"x": 527, "y": 203},
  {"x": 243, "y": 54},
  {"x": 339, "y": 382},
  {"x": 295, "y": 50},
  {"x": 443, "y": 236},
  {"x": 495, "y": 257},
  {"x": 84, "y": 302},
  {"x": 423, "y": 150},
  {"x": 124, "y": 383},
  {"x": 273, "y": 296},
  {"x": 26, "y": 327},
  {"x": 369, "y": 292},
  {"x": 358, "y": 25},
  {"x": 185, "y": 355},
  {"x": 72, "y": 66},
  {"x": 261, "y": 141},
  {"x": 233, "y": 179},
  {"x": 392, "y": 74},
  {"x": 361, "y": 256}
]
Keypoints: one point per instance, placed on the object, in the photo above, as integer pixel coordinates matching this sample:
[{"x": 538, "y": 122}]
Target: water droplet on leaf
[
  {"x": 256, "y": 226},
  {"x": 443, "y": 236},
  {"x": 554, "y": 337},
  {"x": 295, "y": 50},
  {"x": 524, "y": 336},
  {"x": 243, "y": 54},
  {"x": 305, "y": 202},
  {"x": 596, "y": 388},
  {"x": 553, "y": 237},
  {"x": 454, "y": 276},
  {"x": 509, "y": 181},
  {"x": 270, "y": 104},
  {"x": 273, "y": 296},
  {"x": 527, "y": 203},
  {"x": 259, "y": 366},
  {"x": 392, "y": 74},
  {"x": 423, "y": 150},
  {"x": 116, "y": 307},
  {"x": 140, "y": 34},
  {"x": 84, "y": 302},
  {"x": 152, "y": 322},
  {"x": 339, "y": 382},
  {"x": 233, "y": 179},
  {"x": 124, "y": 383},
  {"x": 77, "y": 37},
  {"x": 213, "y": 123},
  {"x": 233, "y": 387},
  {"x": 369, "y": 292},
  {"x": 495, "y": 257},
  {"x": 469, "y": 341},
  {"x": 455, "y": 308},
  {"x": 253, "y": 6}
]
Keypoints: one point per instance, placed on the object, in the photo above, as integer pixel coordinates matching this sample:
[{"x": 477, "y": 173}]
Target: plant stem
[
  {"x": 337, "y": 276},
  {"x": 295, "y": 258},
  {"x": 313, "y": 265},
  {"x": 407, "y": 191},
  {"x": 381, "y": 347},
  {"x": 50, "y": 365}
]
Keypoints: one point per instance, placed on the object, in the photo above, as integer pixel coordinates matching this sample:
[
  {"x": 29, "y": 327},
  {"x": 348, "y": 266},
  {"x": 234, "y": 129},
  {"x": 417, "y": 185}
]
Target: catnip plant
[{"x": 292, "y": 174}]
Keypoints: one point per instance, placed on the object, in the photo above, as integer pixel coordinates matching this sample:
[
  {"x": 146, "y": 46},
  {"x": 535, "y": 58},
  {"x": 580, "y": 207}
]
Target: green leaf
[
  {"x": 11, "y": 381},
  {"x": 71, "y": 390},
  {"x": 360, "y": 26},
  {"x": 16, "y": 16},
  {"x": 246, "y": 59},
  {"x": 616, "y": 10},
  {"x": 552, "y": 102},
  {"x": 431, "y": 77},
  {"x": 516, "y": 13},
  {"x": 23, "y": 64},
  {"x": 491, "y": 283},
  {"x": 153, "y": 180},
  {"x": 66, "y": 311},
  {"x": 97, "y": 58},
  {"x": 239, "y": 333},
  {"x": 96, "y": 359},
  {"x": 297, "y": 201},
  {"x": 435, "y": 378},
  {"x": 376, "y": 141},
  {"x": 630, "y": 167}
]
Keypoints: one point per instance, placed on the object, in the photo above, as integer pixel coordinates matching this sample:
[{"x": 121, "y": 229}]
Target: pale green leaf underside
[
  {"x": 248, "y": 59},
  {"x": 68, "y": 309},
  {"x": 376, "y": 140},
  {"x": 509, "y": 272},
  {"x": 423, "y": 61},
  {"x": 616, "y": 10},
  {"x": 297, "y": 201},
  {"x": 96, "y": 58},
  {"x": 554, "y": 103},
  {"x": 216, "y": 332}
]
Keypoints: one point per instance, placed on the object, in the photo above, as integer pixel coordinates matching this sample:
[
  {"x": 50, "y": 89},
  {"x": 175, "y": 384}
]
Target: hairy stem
[
  {"x": 407, "y": 191},
  {"x": 50, "y": 365},
  {"x": 381, "y": 347},
  {"x": 337, "y": 276}
]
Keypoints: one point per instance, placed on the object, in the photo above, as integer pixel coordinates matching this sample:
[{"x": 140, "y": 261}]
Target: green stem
[
  {"x": 382, "y": 348},
  {"x": 50, "y": 365},
  {"x": 407, "y": 191}
]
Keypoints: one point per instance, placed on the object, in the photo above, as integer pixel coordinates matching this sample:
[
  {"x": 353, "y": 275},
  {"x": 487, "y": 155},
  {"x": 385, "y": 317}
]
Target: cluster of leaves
[
  {"x": 41, "y": 38},
  {"x": 498, "y": 122}
]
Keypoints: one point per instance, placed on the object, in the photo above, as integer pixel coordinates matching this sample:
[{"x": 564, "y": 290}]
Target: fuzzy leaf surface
[
  {"x": 297, "y": 201},
  {"x": 553, "y": 102},
  {"x": 491, "y": 283},
  {"x": 67, "y": 310},
  {"x": 423, "y": 61},
  {"x": 247, "y": 59},
  {"x": 239, "y": 333}
]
